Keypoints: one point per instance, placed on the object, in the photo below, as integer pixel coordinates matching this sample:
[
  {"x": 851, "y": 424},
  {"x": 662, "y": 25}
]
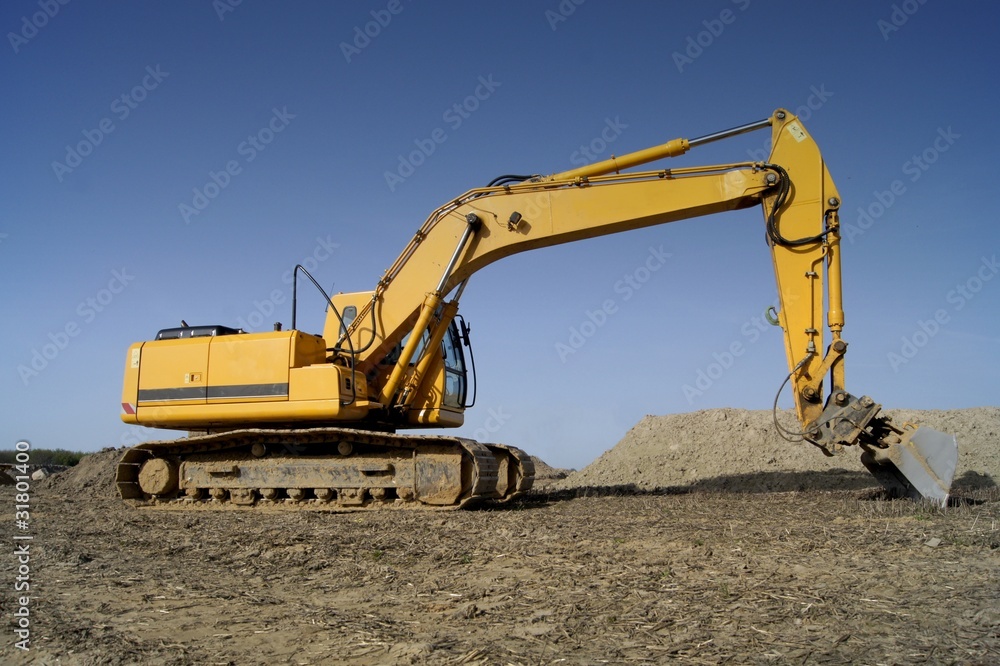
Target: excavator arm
[
  {"x": 286, "y": 416},
  {"x": 800, "y": 204}
]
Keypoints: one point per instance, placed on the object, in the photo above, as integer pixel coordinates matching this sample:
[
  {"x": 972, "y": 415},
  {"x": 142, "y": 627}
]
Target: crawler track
[{"x": 339, "y": 469}]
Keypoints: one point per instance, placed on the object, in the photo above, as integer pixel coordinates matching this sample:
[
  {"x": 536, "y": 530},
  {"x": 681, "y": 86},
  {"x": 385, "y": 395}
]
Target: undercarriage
[{"x": 322, "y": 468}]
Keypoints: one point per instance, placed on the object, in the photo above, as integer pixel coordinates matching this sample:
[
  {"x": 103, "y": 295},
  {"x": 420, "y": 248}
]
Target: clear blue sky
[{"x": 116, "y": 113}]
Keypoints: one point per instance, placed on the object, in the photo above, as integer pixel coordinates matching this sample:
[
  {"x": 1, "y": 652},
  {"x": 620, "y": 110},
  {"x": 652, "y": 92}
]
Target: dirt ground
[{"x": 575, "y": 573}]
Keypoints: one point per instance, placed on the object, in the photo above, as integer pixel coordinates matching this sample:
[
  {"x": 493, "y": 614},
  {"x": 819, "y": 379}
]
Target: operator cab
[{"x": 455, "y": 369}]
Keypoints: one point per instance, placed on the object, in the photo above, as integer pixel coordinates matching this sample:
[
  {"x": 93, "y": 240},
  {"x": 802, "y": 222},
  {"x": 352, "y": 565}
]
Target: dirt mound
[
  {"x": 546, "y": 472},
  {"x": 94, "y": 475},
  {"x": 738, "y": 449},
  {"x": 547, "y": 477}
]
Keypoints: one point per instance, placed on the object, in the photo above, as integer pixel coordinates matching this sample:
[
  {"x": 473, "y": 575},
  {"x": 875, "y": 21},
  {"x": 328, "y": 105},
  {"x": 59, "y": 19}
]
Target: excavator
[{"x": 296, "y": 419}]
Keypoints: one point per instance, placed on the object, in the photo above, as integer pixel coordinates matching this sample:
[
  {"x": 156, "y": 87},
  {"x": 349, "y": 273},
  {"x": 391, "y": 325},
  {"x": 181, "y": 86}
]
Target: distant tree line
[{"x": 46, "y": 457}]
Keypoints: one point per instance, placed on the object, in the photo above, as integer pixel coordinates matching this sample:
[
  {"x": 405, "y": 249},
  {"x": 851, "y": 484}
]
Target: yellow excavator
[{"x": 291, "y": 418}]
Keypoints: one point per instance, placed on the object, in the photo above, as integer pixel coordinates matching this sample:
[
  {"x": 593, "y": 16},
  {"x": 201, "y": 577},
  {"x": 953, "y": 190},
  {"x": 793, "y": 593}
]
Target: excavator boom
[{"x": 391, "y": 358}]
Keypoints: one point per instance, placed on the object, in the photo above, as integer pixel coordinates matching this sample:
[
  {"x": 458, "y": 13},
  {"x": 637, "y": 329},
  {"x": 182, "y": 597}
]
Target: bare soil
[{"x": 696, "y": 571}]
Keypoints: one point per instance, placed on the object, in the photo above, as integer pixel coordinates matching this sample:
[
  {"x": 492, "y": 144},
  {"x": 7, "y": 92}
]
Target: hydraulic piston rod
[
  {"x": 668, "y": 149},
  {"x": 732, "y": 131}
]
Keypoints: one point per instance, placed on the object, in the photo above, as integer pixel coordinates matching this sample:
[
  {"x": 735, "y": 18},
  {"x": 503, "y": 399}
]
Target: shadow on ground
[{"x": 973, "y": 485}]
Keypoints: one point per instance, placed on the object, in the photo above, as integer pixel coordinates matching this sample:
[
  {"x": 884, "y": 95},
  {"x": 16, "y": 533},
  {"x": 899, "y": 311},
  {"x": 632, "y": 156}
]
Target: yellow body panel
[
  {"x": 278, "y": 377},
  {"x": 322, "y": 382},
  {"x": 242, "y": 368},
  {"x": 800, "y": 271},
  {"x": 436, "y": 418},
  {"x": 173, "y": 372},
  {"x": 130, "y": 383}
]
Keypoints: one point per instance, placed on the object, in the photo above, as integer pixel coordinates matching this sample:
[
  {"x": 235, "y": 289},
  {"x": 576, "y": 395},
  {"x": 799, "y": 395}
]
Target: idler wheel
[{"x": 158, "y": 477}]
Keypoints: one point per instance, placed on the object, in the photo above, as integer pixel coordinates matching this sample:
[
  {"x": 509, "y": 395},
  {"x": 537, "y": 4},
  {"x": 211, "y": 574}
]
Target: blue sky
[{"x": 168, "y": 161}]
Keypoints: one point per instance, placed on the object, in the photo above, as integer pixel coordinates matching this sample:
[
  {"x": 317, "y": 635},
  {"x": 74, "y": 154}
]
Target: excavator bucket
[{"x": 921, "y": 465}]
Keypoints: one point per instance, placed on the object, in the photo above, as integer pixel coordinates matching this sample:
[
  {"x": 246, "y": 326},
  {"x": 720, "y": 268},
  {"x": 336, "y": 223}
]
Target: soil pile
[
  {"x": 93, "y": 476},
  {"x": 548, "y": 477},
  {"x": 740, "y": 450}
]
